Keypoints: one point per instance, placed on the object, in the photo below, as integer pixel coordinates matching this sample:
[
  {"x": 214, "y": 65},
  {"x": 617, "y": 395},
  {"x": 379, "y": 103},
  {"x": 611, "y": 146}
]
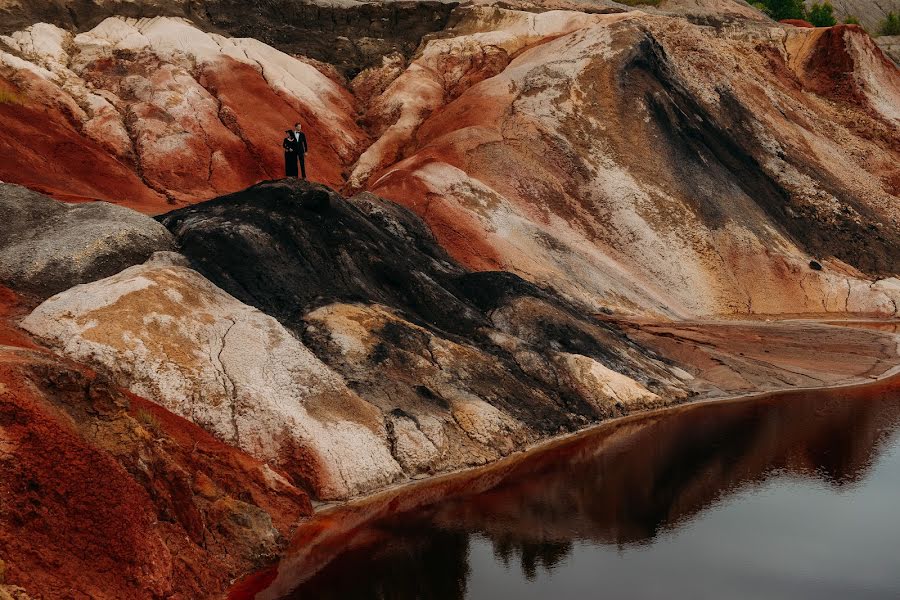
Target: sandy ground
[{"x": 735, "y": 357}]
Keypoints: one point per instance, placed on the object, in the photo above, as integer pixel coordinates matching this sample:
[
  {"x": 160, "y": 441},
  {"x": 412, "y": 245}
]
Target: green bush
[
  {"x": 851, "y": 20},
  {"x": 890, "y": 25},
  {"x": 785, "y": 9},
  {"x": 821, "y": 15}
]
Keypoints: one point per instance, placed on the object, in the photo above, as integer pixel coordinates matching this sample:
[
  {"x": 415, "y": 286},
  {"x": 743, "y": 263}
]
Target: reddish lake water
[{"x": 794, "y": 495}]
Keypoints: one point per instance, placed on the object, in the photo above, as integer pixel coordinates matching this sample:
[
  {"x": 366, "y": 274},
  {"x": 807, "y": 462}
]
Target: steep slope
[
  {"x": 651, "y": 165},
  {"x": 429, "y": 367},
  {"x": 106, "y": 495},
  {"x": 648, "y": 164},
  {"x": 173, "y": 337},
  {"x": 391, "y": 360},
  {"x": 575, "y": 186},
  {"x": 155, "y": 112}
]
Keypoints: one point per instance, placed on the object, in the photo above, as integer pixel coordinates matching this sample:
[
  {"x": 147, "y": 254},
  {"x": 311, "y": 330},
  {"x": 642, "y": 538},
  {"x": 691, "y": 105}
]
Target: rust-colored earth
[
  {"x": 680, "y": 174},
  {"x": 108, "y": 495}
]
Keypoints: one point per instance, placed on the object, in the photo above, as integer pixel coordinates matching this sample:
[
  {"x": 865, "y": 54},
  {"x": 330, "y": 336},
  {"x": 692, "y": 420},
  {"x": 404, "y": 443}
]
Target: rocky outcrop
[
  {"x": 171, "y": 336},
  {"x": 108, "y": 495},
  {"x": 465, "y": 367},
  {"x": 49, "y": 246},
  {"x": 163, "y": 112},
  {"x": 349, "y": 34},
  {"x": 764, "y": 157},
  {"x": 429, "y": 367},
  {"x": 81, "y": 15}
]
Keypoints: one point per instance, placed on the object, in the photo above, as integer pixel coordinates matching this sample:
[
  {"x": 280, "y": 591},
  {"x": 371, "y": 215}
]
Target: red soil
[
  {"x": 10, "y": 307},
  {"x": 40, "y": 149},
  {"x": 42, "y": 145},
  {"x": 797, "y": 23},
  {"x": 237, "y": 474},
  {"x": 832, "y": 65},
  {"x": 107, "y": 495},
  {"x": 452, "y": 224},
  {"x": 252, "y": 107},
  {"x": 72, "y": 518},
  {"x": 830, "y": 69}
]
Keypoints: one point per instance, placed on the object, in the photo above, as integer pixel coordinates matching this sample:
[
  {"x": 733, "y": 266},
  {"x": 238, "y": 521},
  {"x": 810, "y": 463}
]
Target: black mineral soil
[
  {"x": 715, "y": 161},
  {"x": 289, "y": 247},
  {"x": 47, "y": 246}
]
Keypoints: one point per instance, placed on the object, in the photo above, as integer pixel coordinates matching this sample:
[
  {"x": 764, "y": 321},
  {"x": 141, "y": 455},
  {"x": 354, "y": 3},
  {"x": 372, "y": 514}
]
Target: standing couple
[{"x": 295, "y": 149}]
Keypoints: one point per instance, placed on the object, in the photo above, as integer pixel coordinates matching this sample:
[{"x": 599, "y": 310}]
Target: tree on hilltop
[{"x": 821, "y": 15}]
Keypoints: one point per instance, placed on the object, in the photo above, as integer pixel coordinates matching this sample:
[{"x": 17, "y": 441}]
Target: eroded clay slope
[
  {"x": 171, "y": 336},
  {"x": 349, "y": 34},
  {"x": 556, "y": 166},
  {"x": 107, "y": 495},
  {"x": 155, "y": 112},
  {"x": 392, "y": 360},
  {"x": 667, "y": 164},
  {"x": 651, "y": 165}
]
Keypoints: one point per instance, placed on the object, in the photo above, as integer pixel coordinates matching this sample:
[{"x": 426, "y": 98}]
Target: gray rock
[
  {"x": 49, "y": 246},
  {"x": 869, "y": 12},
  {"x": 890, "y": 45}
]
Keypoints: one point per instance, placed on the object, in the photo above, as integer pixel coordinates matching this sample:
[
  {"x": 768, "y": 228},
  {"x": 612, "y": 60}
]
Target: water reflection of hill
[{"x": 622, "y": 485}]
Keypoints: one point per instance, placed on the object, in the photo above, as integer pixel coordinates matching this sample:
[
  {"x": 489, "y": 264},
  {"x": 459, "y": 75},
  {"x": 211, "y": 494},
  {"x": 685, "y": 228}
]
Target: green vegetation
[
  {"x": 7, "y": 97},
  {"x": 890, "y": 25},
  {"x": 784, "y": 9},
  {"x": 821, "y": 15}
]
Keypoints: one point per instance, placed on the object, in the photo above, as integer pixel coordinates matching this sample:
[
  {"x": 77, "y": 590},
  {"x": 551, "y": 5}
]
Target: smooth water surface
[{"x": 796, "y": 495}]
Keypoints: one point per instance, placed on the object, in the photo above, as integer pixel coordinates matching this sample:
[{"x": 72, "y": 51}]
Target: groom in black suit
[{"x": 300, "y": 147}]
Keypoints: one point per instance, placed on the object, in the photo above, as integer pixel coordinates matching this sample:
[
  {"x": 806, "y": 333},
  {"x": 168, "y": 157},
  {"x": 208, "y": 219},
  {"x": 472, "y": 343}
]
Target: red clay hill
[
  {"x": 554, "y": 213},
  {"x": 111, "y": 495},
  {"x": 156, "y": 113}
]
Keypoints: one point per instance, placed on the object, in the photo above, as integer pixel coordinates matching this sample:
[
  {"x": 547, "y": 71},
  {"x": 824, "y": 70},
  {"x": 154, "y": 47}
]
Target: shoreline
[
  {"x": 324, "y": 508},
  {"x": 548, "y": 442},
  {"x": 330, "y": 521}
]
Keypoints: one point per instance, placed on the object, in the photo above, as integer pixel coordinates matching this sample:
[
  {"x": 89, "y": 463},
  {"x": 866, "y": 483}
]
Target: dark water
[{"x": 791, "y": 496}]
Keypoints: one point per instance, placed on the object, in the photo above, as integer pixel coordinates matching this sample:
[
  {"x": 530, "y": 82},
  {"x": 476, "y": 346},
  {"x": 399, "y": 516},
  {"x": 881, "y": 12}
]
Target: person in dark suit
[
  {"x": 302, "y": 147},
  {"x": 290, "y": 154}
]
